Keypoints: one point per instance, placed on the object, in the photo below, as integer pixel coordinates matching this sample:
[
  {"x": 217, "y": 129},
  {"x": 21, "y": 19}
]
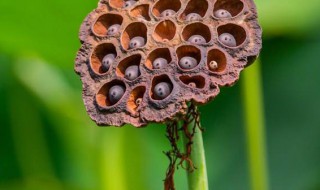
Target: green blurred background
[{"x": 263, "y": 133}]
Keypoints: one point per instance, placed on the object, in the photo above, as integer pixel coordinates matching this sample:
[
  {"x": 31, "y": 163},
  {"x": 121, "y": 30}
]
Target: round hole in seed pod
[
  {"x": 159, "y": 58},
  {"x": 216, "y": 60},
  {"x": 110, "y": 93},
  {"x": 188, "y": 57},
  {"x": 166, "y": 7},
  {"x": 134, "y": 36},
  {"x": 164, "y": 31},
  {"x": 161, "y": 87},
  {"x": 195, "y": 30},
  {"x": 222, "y": 8},
  {"x": 195, "y": 10},
  {"x": 136, "y": 98},
  {"x": 230, "y": 32},
  {"x": 98, "y": 55},
  {"x": 129, "y": 67},
  {"x": 107, "y": 25},
  {"x": 197, "y": 81},
  {"x": 141, "y": 11}
]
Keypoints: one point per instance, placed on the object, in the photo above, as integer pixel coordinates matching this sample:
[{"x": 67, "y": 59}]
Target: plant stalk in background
[{"x": 193, "y": 157}]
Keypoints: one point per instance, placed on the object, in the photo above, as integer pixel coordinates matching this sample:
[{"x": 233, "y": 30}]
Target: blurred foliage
[{"x": 48, "y": 142}]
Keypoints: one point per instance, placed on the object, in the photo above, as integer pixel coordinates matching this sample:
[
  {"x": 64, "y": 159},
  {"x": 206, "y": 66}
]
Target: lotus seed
[
  {"x": 115, "y": 93},
  {"x": 221, "y": 13},
  {"x": 137, "y": 42},
  {"x": 167, "y": 13},
  {"x": 213, "y": 65},
  {"x": 107, "y": 61},
  {"x": 162, "y": 90},
  {"x": 188, "y": 62},
  {"x": 132, "y": 72},
  {"x": 197, "y": 39},
  {"x": 192, "y": 84},
  {"x": 113, "y": 30},
  {"x": 138, "y": 101},
  {"x": 193, "y": 17},
  {"x": 129, "y": 3},
  {"x": 160, "y": 63},
  {"x": 228, "y": 40}
]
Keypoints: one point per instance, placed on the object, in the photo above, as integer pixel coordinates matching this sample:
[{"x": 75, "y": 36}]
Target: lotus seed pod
[
  {"x": 113, "y": 30},
  {"x": 115, "y": 93},
  {"x": 129, "y": 3},
  {"x": 107, "y": 61},
  {"x": 162, "y": 90},
  {"x": 160, "y": 63},
  {"x": 137, "y": 42},
  {"x": 221, "y": 13},
  {"x": 188, "y": 62},
  {"x": 197, "y": 39},
  {"x": 132, "y": 72},
  {"x": 167, "y": 13},
  {"x": 195, "y": 46},
  {"x": 193, "y": 17},
  {"x": 228, "y": 40}
]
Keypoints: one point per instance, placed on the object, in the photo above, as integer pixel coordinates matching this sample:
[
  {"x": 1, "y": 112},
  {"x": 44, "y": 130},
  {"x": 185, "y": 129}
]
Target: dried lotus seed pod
[{"x": 191, "y": 47}]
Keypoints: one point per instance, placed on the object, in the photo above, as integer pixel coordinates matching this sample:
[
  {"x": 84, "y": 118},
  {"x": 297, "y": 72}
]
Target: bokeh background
[{"x": 263, "y": 133}]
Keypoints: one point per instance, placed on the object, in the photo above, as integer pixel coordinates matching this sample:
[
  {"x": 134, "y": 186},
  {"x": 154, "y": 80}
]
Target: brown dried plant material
[{"x": 219, "y": 37}]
